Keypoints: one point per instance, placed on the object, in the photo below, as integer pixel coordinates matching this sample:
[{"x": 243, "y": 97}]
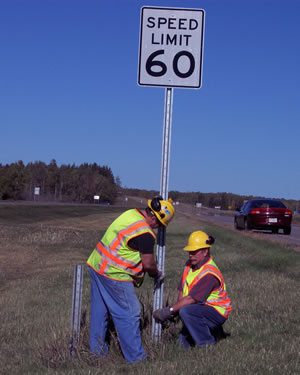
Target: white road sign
[{"x": 171, "y": 47}]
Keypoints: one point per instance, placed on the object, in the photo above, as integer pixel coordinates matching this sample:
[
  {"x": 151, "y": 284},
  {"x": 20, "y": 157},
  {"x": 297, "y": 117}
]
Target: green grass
[
  {"x": 31, "y": 214},
  {"x": 39, "y": 247},
  {"x": 296, "y": 219}
]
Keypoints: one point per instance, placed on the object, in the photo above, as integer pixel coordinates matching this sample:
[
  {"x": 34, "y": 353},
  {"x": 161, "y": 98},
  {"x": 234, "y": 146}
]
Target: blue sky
[{"x": 69, "y": 92}]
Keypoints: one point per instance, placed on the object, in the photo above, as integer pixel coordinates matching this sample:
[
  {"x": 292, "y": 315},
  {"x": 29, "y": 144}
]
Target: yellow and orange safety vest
[
  {"x": 218, "y": 298},
  {"x": 112, "y": 256}
]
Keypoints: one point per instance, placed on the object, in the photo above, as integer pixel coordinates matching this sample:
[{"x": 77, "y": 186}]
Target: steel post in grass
[
  {"x": 164, "y": 184},
  {"x": 76, "y": 307}
]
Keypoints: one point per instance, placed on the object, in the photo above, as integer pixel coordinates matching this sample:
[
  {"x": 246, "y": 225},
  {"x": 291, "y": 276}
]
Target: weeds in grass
[{"x": 36, "y": 290}]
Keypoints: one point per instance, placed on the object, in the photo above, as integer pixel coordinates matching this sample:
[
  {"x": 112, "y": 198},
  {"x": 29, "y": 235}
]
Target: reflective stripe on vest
[
  {"x": 130, "y": 230},
  {"x": 112, "y": 256},
  {"x": 218, "y": 298}
]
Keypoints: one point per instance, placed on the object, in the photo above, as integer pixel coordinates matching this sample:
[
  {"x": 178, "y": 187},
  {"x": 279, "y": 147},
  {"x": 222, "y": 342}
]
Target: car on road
[{"x": 262, "y": 214}]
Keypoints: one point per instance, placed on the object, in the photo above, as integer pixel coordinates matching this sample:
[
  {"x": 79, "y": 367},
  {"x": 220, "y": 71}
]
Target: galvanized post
[
  {"x": 76, "y": 307},
  {"x": 164, "y": 184}
]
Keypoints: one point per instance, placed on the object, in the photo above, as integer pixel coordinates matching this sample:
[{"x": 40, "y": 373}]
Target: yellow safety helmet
[
  {"x": 163, "y": 210},
  {"x": 199, "y": 240}
]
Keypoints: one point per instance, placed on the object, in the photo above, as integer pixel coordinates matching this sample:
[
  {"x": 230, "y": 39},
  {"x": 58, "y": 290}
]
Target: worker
[
  {"x": 116, "y": 266},
  {"x": 203, "y": 304}
]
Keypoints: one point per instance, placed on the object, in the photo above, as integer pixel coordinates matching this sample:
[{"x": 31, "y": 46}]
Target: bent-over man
[{"x": 116, "y": 266}]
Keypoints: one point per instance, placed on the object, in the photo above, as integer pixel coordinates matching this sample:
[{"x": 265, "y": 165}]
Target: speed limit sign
[{"x": 171, "y": 47}]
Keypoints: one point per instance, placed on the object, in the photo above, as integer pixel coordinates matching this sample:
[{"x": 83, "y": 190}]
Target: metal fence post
[{"x": 76, "y": 307}]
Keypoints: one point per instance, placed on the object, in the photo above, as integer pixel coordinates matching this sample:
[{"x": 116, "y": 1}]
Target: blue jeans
[
  {"x": 199, "y": 321},
  {"x": 117, "y": 299}
]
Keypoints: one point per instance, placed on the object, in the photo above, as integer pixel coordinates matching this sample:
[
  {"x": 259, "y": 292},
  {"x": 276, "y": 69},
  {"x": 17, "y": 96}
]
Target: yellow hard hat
[
  {"x": 199, "y": 240},
  {"x": 163, "y": 210}
]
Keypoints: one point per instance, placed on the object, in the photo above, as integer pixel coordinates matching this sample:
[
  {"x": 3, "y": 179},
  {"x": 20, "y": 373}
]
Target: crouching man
[{"x": 203, "y": 304}]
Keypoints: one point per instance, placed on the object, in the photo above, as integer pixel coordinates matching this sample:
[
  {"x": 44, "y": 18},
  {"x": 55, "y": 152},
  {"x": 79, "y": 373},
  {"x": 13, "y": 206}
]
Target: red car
[{"x": 267, "y": 214}]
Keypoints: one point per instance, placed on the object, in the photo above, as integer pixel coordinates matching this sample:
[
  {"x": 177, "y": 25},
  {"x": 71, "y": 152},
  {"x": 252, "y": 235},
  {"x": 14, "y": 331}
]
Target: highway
[
  {"x": 225, "y": 219},
  {"x": 209, "y": 215}
]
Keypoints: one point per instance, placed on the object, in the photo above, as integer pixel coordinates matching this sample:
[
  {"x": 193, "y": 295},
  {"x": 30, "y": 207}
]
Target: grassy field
[
  {"x": 39, "y": 247},
  {"x": 296, "y": 219}
]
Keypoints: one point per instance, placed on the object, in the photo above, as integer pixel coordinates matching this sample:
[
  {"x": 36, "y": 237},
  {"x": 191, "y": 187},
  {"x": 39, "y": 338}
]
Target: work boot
[{"x": 219, "y": 333}]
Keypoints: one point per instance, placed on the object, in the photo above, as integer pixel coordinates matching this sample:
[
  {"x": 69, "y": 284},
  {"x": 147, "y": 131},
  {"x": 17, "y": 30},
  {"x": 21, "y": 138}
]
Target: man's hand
[
  {"x": 159, "y": 278},
  {"x": 162, "y": 314}
]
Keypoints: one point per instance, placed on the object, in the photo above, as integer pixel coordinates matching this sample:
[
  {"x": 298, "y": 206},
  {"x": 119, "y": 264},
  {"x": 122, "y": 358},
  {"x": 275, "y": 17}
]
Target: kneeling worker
[
  {"x": 203, "y": 304},
  {"x": 118, "y": 264}
]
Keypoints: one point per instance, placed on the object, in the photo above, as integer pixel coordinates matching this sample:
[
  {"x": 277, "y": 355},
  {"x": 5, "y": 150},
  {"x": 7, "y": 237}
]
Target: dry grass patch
[{"x": 37, "y": 263}]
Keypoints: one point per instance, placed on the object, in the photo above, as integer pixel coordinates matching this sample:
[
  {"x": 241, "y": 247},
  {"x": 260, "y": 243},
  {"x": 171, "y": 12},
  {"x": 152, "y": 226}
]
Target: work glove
[
  {"x": 162, "y": 314},
  {"x": 138, "y": 282},
  {"x": 158, "y": 279}
]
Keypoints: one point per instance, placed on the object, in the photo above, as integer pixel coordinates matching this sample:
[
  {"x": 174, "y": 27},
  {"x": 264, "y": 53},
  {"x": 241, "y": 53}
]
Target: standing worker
[
  {"x": 116, "y": 266},
  {"x": 203, "y": 304}
]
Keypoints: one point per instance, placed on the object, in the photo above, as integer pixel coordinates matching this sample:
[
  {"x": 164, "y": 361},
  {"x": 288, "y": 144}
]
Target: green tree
[
  {"x": 53, "y": 179},
  {"x": 14, "y": 181}
]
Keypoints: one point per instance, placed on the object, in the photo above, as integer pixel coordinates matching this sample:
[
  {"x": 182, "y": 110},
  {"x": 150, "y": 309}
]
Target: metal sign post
[
  {"x": 164, "y": 183},
  {"x": 170, "y": 55},
  {"x": 76, "y": 307}
]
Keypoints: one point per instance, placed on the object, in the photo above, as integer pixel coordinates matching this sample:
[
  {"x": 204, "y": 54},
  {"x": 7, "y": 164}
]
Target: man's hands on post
[
  {"x": 159, "y": 278},
  {"x": 162, "y": 314}
]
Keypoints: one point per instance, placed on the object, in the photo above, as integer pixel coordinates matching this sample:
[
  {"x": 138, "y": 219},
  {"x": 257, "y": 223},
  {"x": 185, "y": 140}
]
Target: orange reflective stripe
[
  {"x": 226, "y": 305},
  {"x": 221, "y": 303},
  {"x": 218, "y": 298},
  {"x": 215, "y": 271},
  {"x": 186, "y": 271},
  {"x": 103, "y": 266},
  {"x": 207, "y": 270},
  {"x": 117, "y": 260},
  {"x": 194, "y": 282},
  {"x": 184, "y": 276},
  {"x": 113, "y": 257},
  {"x": 117, "y": 241}
]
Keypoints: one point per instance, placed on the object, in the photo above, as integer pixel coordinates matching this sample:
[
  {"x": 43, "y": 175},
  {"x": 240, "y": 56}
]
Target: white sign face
[
  {"x": 171, "y": 47},
  {"x": 97, "y": 197},
  {"x": 37, "y": 191}
]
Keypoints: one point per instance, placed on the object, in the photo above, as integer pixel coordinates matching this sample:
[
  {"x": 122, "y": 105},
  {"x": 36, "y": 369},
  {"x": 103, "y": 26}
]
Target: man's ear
[
  {"x": 154, "y": 219},
  {"x": 151, "y": 219},
  {"x": 205, "y": 252}
]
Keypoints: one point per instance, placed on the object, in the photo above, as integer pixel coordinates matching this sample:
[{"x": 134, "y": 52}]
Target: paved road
[
  {"x": 294, "y": 237},
  {"x": 227, "y": 220}
]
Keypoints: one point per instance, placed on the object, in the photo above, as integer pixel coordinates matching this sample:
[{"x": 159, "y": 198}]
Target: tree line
[
  {"x": 71, "y": 183},
  {"x": 67, "y": 183},
  {"x": 222, "y": 200}
]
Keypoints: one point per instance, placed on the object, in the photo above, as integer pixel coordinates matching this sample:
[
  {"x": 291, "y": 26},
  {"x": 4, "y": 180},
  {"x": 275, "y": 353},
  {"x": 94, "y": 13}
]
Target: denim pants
[
  {"x": 199, "y": 321},
  {"x": 118, "y": 299}
]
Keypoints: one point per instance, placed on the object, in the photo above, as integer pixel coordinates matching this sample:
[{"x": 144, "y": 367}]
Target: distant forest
[
  {"x": 225, "y": 201},
  {"x": 67, "y": 183},
  {"x": 71, "y": 183}
]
